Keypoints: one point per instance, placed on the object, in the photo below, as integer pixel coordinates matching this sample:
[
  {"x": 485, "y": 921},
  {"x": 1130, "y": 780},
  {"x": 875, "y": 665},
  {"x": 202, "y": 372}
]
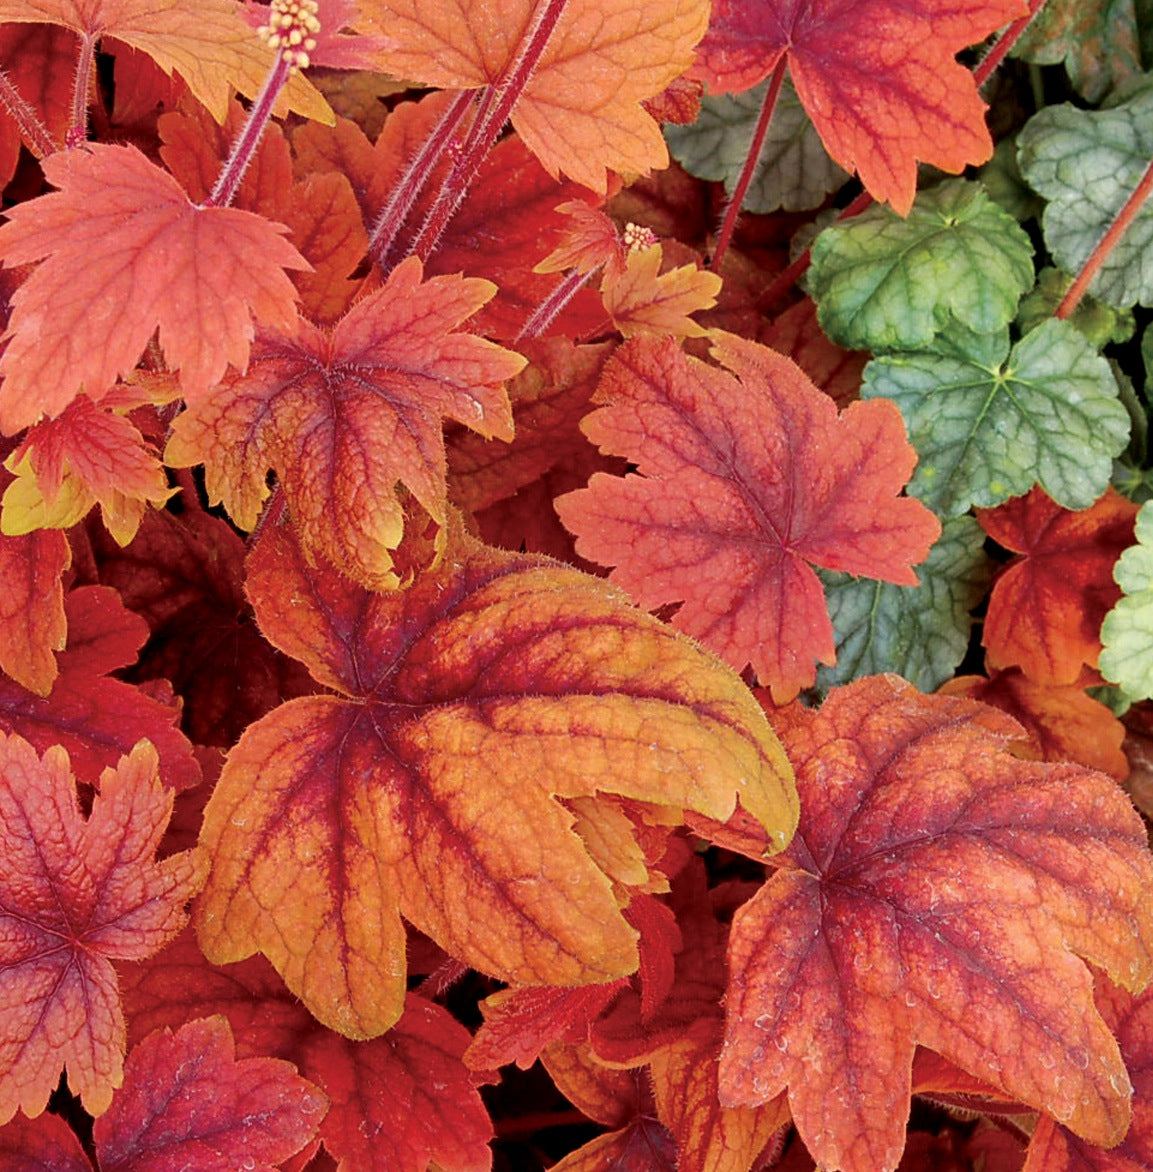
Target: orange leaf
[
  {"x": 611, "y": 1097},
  {"x": 643, "y": 1146},
  {"x": 87, "y": 455},
  {"x": 123, "y": 251},
  {"x": 878, "y": 77},
  {"x": 424, "y": 787},
  {"x": 580, "y": 112},
  {"x": 40, "y": 62},
  {"x": 76, "y": 893},
  {"x": 1047, "y": 606},
  {"x": 746, "y": 483},
  {"x": 938, "y": 892},
  {"x": 206, "y": 41},
  {"x": 189, "y": 1103},
  {"x": 343, "y": 418},
  {"x": 643, "y": 300}
]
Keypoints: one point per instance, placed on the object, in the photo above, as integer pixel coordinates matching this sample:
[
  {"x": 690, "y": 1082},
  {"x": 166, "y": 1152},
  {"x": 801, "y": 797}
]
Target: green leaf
[
  {"x": 988, "y": 424},
  {"x": 1096, "y": 39},
  {"x": 919, "y": 632},
  {"x": 1127, "y": 633},
  {"x": 1002, "y": 179},
  {"x": 794, "y": 171},
  {"x": 882, "y": 283},
  {"x": 1087, "y": 163},
  {"x": 1100, "y": 323}
]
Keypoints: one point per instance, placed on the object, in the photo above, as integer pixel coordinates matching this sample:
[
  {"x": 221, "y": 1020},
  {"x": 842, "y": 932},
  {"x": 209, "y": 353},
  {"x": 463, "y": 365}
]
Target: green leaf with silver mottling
[
  {"x": 1006, "y": 187},
  {"x": 919, "y": 632},
  {"x": 1100, "y": 323},
  {"x": 1087, "y": 163},
  {"x": 1127, "y": 632},
  {"x": 794, "y": 170},
  {"x": 989, "y": 425},
  {"x": 883, "y": 284}
]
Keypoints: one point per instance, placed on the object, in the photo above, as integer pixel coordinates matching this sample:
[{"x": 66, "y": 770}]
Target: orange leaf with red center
[
  {"x": 1054, "y": 1148},
  {"x": 396, "y": 1102},
  {"x": 95, "y": 718},
  {"x": 428, "y": 786},
  {"x": 746, "y": 483},
  {"x": 1046, "y": 609},
  {"x": 206, "y": 41},
  {"x": 580, "y": 111},
  {"x": 343, "y": 418},
  {"x": 878, "y": 78},
  {"x": 124, "y": 251},
  {"x": 75, "y": 894},
  {"x": 87, "y": 455},
  {"x": 189, "y": 1103},
  {"x": 938, "y": 892}
]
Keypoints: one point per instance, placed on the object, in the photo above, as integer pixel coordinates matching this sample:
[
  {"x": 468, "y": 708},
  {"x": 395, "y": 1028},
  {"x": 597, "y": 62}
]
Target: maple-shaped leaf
[
  {"x": 123, "y": 251},
  {"x": 989, "y": 422},
  {"x": 580, "y": 112},
  {"x": 206, "y": 41},
  {"x": 1047, "y": 606},
  {"x": 1086, "y": 163},
  {"x": 590, "y": 240},
  {"x": 878, "y": 78},
  {"x": 399, "y": 1101},
  {"x": 87, "y": 455},
  {"x": 794, "y": 171},
  {"x": 75, "y": 894},
  {"x": 1064, "y": 723},
  {"x": 918, "y": 632},
  {"x": 425, "y": 786},
  {"x": 943, "y": 893},
  {"x": 747, "y": 480},
  {"x": 643, "y": 300},
  {"x": 95, "y": 718},
  {"x": 885, "y": 283},
  {"x": 1127, "y": 633},
  {"x": 188, "y": 1102},
  {"x": 343, "y": 418}
]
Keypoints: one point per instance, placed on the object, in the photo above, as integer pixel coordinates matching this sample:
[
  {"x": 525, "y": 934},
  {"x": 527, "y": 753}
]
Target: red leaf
[
  {"x": 1047, "y": 606},
  {"x": 40, "y": 62},
  {"x": 124, "y": 251},
  {"x": 32, "y": 622},
  {"x": 877, "y": 77},
  {"x": 643, "y": 1146},
  {"x": 95, "y": 718},
  {"x": 74, "y": 894},
  {"x": 344, "y": 418},
  {"x": 188, "y": 1103},
  {"x": 938, "y": 892},
  {"x": 43, "y": 1144},
  {"x": 745, "y": 484},
  {"x": 463, "y": 705}
]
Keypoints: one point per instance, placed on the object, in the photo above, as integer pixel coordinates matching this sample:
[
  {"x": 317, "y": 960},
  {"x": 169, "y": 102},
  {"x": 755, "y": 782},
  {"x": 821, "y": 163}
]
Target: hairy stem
[
  {"x": 386, "y": 229},
  {"x": 1001, "y": 46},
  {"x": 33, "y": 132},
  {"x": 224, "y": 192},
  {"x": 545, "y": 313},
  {"x": 81, "y": 88},
  {"x": 752, "y": 160},
  {"x": 1106, "y": 244},
  {"x": 495, "y": 109}
]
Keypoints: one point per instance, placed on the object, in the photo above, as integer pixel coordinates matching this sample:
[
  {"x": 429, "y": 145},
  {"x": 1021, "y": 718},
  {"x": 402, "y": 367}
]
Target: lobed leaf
[
  {"x": 883, "y": 283},
  {"x": 643, "y": 300},
  {"x": 1086, "y": 163},
  {"x": 1127, "y": 631},
  {"x": 425, "y": 786},
  {"x": 939, "y": 892},
  {"x": 988, "y": 423},
  {"x": 32, "y": 621}
]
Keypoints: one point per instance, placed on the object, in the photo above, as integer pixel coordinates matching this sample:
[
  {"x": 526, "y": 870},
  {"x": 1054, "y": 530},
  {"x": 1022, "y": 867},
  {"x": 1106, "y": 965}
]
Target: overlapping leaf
[
  {"x": 1046, "y": 609},
  {"x": 919, "y": 632},
  {"x": 745, "y": 483},
  {"x": 878, "y": 78},
  {"x": 938, "y": 892},
  {"x": 884, "y": 283},
  {"x": 643, "y": 300},
  {"x": 580, "y": 112},
  {"x": 123, "y": 251},
  {"x": 40, "y": 61},
  {"x": 206, "y": 41},
  {"x": 989, "y": 422},
  {"x": 1086, "y": 163},
  {"x": 76, "y": 893},
  {"x": 424, "y": 787},
  {"x": 343, "y": 418},
  {"x": 1127, "y": 632}
]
